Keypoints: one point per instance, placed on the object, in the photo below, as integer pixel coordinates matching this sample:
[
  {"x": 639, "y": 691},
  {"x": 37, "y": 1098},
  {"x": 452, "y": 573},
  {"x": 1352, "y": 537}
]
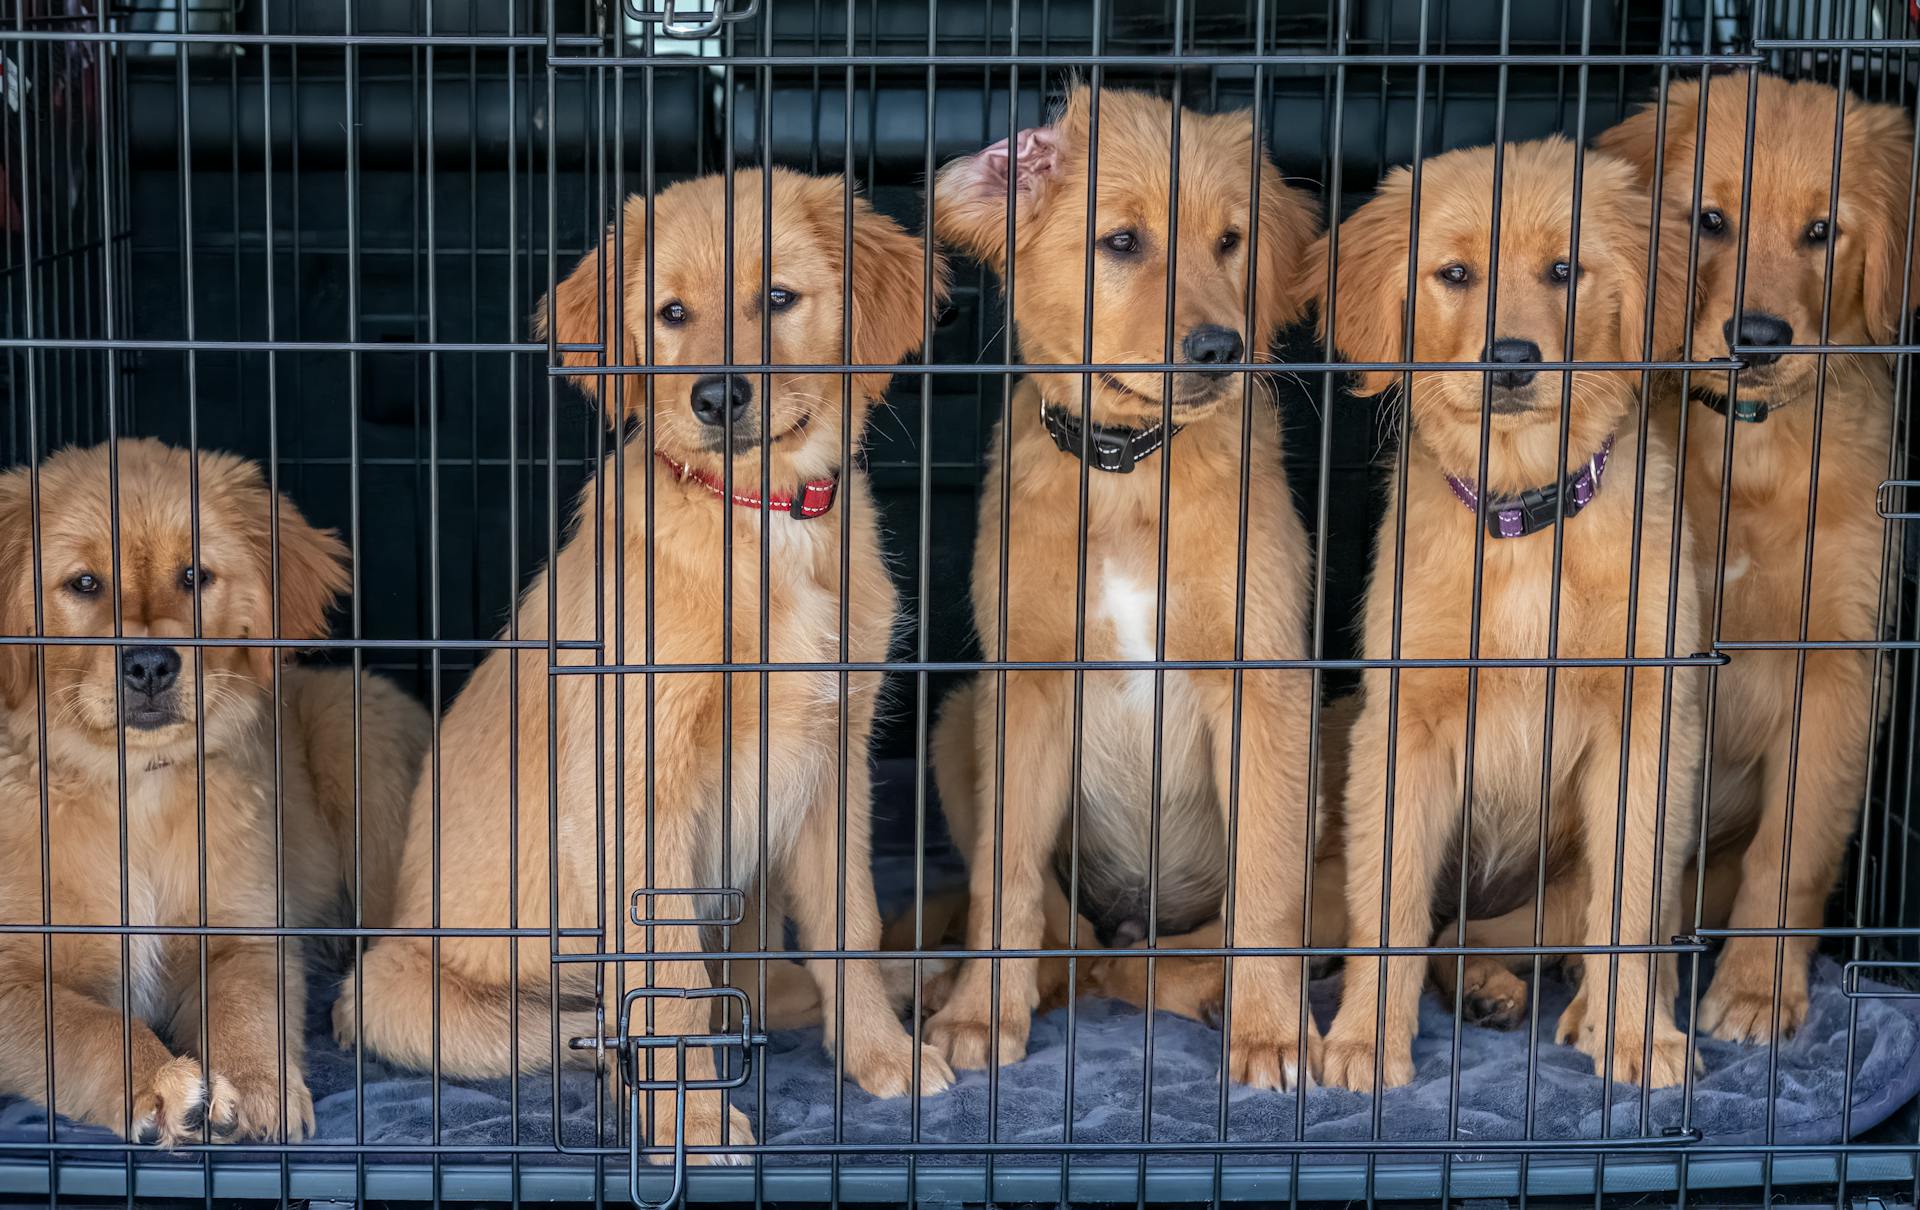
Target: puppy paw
[
  {"x": 1662, "y": 1065},
  {"x": 1739, "y": 1006},
  {"x": 1265, "y": 1054},
  {"x": 179, "y": 1101},
  {"x": 1350, "y": 1063},
  {"x": 885, "y": 1068},
  {"x": 706, "y": 1112},
  {"x": 1492, "y": 996},
  {"x": 260, "y": 1108},
  {"x": 969, "y": 1041},
  {"x": 1573, "y": 1020}
]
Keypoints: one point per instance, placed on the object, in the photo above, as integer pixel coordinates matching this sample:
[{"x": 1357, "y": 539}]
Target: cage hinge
[
  {"x": 692, "y": 20},
  {"x": 631, "y": 1051}
]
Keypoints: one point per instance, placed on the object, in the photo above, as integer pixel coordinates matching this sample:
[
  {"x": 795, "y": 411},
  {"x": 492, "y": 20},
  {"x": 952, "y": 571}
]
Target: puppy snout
[
  {"x": 150, "y": 671},
  {"x": 1211, "y": 344},
  {"x": 1759, "y": 329},
  {"x": 718, "y": 397},
  {"x": 1515, "y": 353}
]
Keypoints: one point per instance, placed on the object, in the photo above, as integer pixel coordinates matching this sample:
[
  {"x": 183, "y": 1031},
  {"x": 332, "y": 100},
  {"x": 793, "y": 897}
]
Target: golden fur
[
  {"x": 1218, "y": 227},
  {"x": 232, "y": 1076},
  {"x": 1756, "y": 732},
  {"x": 666, "y": 760},
  {"x": 1435, "y": 562}
]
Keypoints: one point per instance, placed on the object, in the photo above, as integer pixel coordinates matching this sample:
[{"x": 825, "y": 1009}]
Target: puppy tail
[{"x": 388, "y": 1005}]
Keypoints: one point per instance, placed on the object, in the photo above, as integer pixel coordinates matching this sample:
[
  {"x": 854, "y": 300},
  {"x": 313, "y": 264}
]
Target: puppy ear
[
  {"x": 970, "y": 194},
  {"x": 1636, "y": 139},
  {"x": 581, "y": 309},
  {"x": 1366, "y": 317},
  {"x": 1289, "y": 221},
  {"x": 16, "y": 587},
  {"x": 891, "y": 291},
  {"x": 1618, "y": 229},
  {"x": 313, "y": 572},
  {"x": 1881, "y": 137}
]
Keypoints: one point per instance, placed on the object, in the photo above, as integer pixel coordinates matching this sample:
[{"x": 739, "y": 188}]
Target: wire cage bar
[{"x": 448, "y": 317}]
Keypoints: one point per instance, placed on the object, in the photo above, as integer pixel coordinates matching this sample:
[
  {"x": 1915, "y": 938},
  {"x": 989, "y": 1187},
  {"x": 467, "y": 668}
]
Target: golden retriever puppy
[
  {"x": 1143, "y": 283},
  {"x": 1584, "y": 513},
  {"x": 657, "y": 781},
  {"x": 1786, "y": 791},
  {"x": 195, "y": 738}
]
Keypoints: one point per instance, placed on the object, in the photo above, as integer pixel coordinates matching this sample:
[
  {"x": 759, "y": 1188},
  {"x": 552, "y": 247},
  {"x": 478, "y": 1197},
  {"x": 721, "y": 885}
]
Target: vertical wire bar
[
  {"x": 1338, "y": 35},
  {"x": 1076, "y": 773},
  {"x": 352, "y": 106},
  {"x": 1155, "y": 798},
  {"x": 1000, "y": 621},
  {"x": 1889, "y": 566},
  {"x": 512, "y": 313},
  {"x": 763, "y": 862},
  {"x": 1800, "y": 656},
  {"x": 923, "y": 581}
]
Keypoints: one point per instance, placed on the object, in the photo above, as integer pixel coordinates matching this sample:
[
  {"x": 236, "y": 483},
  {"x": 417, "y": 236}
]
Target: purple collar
[{"x": 1533, "y": 510}]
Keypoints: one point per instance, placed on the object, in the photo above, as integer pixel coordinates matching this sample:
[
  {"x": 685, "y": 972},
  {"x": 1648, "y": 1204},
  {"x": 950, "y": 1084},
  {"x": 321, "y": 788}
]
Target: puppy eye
[
  {"x": 1454, "y": 275},
  {"x": 195, "y": 577},
  {"x": 673, "y": 313},
  {"x": 1229, "y": 241},
  {"x": 1712, "y": 222},
  {"x": 1126, "y": 243},
  {"x": 1819, "y": 231},
  {"x": 780, "y": 298},
  {"x": 1561, "y": 271},
  {"x": 86, "y": 584}
]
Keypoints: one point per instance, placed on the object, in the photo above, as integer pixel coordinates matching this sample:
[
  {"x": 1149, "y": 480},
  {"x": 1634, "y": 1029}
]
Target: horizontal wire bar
[
  {"x": 242, "y": 930},
  {"x": 1116, "y": 367},
  {"x": 1678, "y": 946},
  {"x": 131, "y": 345},
  {"x": 1817, "y": 645},
  {"x": 1167, "y": 61},
  {"x": 1662, "y": 1142},
  {"x": 105, "y": 640},
  {"x": 168, "y": 38},
  {"x": 1223, "y": 665}
]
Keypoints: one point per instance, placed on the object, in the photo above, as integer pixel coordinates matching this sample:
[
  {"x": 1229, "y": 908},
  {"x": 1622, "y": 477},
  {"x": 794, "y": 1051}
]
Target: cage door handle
[
  {"x": 694, "y": 24},
  {"x": 677, "y": 1189}
]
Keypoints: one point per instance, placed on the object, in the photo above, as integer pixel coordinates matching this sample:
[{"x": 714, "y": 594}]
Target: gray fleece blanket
[{"x": 1812, "y": 1095}]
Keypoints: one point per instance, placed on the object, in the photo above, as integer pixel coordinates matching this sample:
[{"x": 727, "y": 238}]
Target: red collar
[{"x": 814, "y": 499}]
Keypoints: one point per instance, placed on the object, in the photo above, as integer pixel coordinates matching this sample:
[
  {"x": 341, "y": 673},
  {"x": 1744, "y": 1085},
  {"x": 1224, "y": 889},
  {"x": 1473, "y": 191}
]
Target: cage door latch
[
  {"x": 692, "y": 20},
  {"x": 631, "y": 1050}
]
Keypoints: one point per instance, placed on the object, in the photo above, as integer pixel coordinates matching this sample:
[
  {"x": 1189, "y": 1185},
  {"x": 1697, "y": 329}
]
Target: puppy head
[
  {"x": 158, "y": 700},
  {"x": 1129, "y": 155},
  {"x": 1790, "y": 219},
  {"x": 795, "y": 416},
  {"x": 1538, "y": 276}
]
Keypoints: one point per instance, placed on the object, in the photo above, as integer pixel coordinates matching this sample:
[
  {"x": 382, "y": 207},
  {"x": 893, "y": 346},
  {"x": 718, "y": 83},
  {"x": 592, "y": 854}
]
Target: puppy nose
[
  {"x": 1759, "y": 328},
  {"x": 717, "y": 395},
  {"x": 1513, "y": 352},
  {"x": 1211, "y": 344},
  {"x": 149, "y": 670}
]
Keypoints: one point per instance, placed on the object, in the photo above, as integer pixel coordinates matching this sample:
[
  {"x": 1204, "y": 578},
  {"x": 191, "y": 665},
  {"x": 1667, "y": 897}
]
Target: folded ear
[
  {"x": 1365, "y": 318},
  {"x": 16, "y": 587},
  {"x": 970, "y": 194},
  {"x": 1289, "y": 221},
  {"x": 1636, "y": 139},
  {"x": 581, "y": 309},
  {"x": 312, "y": 573},
  {"x": 1879, "y": 143},
  {"x": 891, "y": 290},
  {"x": 1616, "y": 218}
]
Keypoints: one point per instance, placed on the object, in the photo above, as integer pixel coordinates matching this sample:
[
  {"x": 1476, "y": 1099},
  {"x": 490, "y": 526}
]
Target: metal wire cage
[{"x": 316, "y": 234}]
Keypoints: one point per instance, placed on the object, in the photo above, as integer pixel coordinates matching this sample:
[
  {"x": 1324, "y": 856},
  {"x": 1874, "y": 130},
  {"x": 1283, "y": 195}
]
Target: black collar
[
  {"x": 1749, "y": 410},
  {"x": 1109, "y": 447}
]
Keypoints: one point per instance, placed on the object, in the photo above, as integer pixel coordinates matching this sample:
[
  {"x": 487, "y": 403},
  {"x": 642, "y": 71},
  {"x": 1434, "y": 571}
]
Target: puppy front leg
[
  {"x": 172, "y": 1097},
  {"x": 246, "y": 1020},
  {"x": 1646, "y": 1046},
  {"x": 1425, "y": 801},
  {"x": 1270, "y": 870},
  {"x": 1037, "y": 768},
  {"x": 1827, "y": 787},
  {"x": 862, "y": 1027}
]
